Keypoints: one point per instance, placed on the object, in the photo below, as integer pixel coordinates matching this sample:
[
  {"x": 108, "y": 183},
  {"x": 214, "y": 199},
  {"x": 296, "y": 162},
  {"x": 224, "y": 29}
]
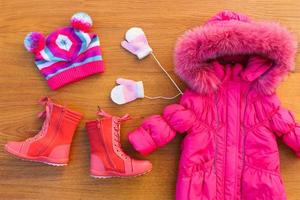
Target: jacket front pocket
[{"x": 260, "y": 184}]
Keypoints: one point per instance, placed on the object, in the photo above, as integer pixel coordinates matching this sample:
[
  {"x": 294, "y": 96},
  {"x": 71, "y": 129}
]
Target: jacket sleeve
[
  {"x": 283, "y": 123},
  {"x": 157, "y": 130}
]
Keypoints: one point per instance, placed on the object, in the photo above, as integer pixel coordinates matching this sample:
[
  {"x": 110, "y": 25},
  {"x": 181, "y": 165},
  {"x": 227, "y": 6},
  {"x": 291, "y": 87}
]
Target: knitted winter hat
[
  {"x": 68, "y": 54},
  {"x": 229, "y": 34}
]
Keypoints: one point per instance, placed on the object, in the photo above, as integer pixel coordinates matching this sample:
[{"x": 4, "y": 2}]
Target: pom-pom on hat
[
  {"x": 81, "y": 21},
  {"x": 68, "y": 54},
  {"x": 34, "y": 42}
]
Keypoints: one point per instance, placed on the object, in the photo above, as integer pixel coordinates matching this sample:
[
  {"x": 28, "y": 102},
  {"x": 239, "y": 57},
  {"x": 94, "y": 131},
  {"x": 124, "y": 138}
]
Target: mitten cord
[
  {"x": 162, "y": 97},
  {"x": 180, "y": 92}
]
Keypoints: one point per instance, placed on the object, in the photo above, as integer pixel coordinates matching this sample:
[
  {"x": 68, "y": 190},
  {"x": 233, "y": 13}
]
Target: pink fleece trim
[{"x": 75, "y": 74}]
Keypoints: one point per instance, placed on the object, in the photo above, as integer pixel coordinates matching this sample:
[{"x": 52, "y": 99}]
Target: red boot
[
  {"x": 52, "y": 144},
  {"x": 107, "y": 157}
]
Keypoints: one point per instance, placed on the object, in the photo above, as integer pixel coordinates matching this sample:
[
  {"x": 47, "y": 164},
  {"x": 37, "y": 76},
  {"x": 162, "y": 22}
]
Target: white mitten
[
  {"x": 136, "y": 42},
  {"x": 127, "y": 91}
]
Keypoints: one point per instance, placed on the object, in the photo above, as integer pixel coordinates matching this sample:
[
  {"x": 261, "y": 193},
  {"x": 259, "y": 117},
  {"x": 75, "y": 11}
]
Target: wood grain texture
[{"x": 21, "y": 86}]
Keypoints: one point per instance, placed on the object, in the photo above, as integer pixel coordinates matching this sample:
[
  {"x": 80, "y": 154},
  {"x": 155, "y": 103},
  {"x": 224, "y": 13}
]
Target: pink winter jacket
[{"x": 231, "y": 114}]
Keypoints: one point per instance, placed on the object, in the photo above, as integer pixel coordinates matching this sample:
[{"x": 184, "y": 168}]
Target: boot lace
[
  {"x": 42, "y": 115},
  {"x": 116, "y": 121}
]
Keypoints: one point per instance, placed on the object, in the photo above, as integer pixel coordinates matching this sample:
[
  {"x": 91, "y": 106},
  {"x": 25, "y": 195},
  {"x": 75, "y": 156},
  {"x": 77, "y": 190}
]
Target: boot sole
[
  {"x": 40, "y": 159},
  {"x": 119, "y": 176}
]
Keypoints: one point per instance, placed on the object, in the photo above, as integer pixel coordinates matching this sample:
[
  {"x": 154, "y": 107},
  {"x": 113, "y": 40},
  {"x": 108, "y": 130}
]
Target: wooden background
[{"x": 21, "y": 86}]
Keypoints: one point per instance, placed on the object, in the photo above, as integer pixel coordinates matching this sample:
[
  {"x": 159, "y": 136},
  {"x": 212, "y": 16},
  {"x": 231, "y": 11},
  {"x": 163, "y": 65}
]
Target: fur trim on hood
[{"x": 229, "y": 34}]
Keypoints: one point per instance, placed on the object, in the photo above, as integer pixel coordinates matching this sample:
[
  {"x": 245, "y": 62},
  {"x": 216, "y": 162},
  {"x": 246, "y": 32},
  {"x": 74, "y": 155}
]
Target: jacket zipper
[
  {"x": 244, "y": 136},
  {"x": 238, "y": 131},
  {"x": 99, "y": 125},
  {"x": 216, "y": 139},
  {"x": 215, "y": 133}
]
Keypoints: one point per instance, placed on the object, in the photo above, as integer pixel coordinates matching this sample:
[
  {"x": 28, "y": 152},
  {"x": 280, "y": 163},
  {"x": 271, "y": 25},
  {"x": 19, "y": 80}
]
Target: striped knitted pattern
[{"x": 69, "y": 55}]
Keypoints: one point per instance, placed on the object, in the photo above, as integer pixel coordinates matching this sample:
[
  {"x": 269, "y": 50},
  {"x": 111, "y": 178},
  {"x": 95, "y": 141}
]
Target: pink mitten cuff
[
  {"x": 140, "y": 89},
  {"x": 142, "y": 141},
  {"x": 144, "y": 52}
]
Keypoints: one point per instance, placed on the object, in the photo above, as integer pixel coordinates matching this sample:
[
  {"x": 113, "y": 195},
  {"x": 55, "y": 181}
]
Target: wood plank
[{"x": 21, "y": 85}]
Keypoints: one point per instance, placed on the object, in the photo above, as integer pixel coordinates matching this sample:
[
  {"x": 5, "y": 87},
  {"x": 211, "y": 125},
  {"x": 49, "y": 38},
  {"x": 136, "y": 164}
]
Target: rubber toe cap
[
  {"x": 13, "y": 147},
  {"x": 141, "y": 166}
]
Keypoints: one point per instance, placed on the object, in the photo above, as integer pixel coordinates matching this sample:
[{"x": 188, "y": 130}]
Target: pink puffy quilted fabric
[{"x": 231, "y": 115}]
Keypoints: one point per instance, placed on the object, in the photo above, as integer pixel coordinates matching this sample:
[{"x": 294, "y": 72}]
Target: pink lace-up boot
[
  {"x": 107, "y": 157},
  {"x": 52, "y": 144}
]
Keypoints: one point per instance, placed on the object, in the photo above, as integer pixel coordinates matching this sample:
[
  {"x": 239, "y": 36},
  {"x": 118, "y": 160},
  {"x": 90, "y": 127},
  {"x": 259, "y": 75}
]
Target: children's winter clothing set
[
  {"x": 67, "y": 55},
  {"x": 231, "y": 114}
]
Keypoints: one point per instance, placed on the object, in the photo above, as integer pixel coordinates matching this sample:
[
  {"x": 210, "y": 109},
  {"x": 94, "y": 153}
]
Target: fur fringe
[{"x": 230, "y": 33}]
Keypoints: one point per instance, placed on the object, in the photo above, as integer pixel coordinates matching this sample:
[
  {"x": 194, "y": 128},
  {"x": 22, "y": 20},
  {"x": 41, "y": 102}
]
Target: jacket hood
[{"x": 233, "y": 34}]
